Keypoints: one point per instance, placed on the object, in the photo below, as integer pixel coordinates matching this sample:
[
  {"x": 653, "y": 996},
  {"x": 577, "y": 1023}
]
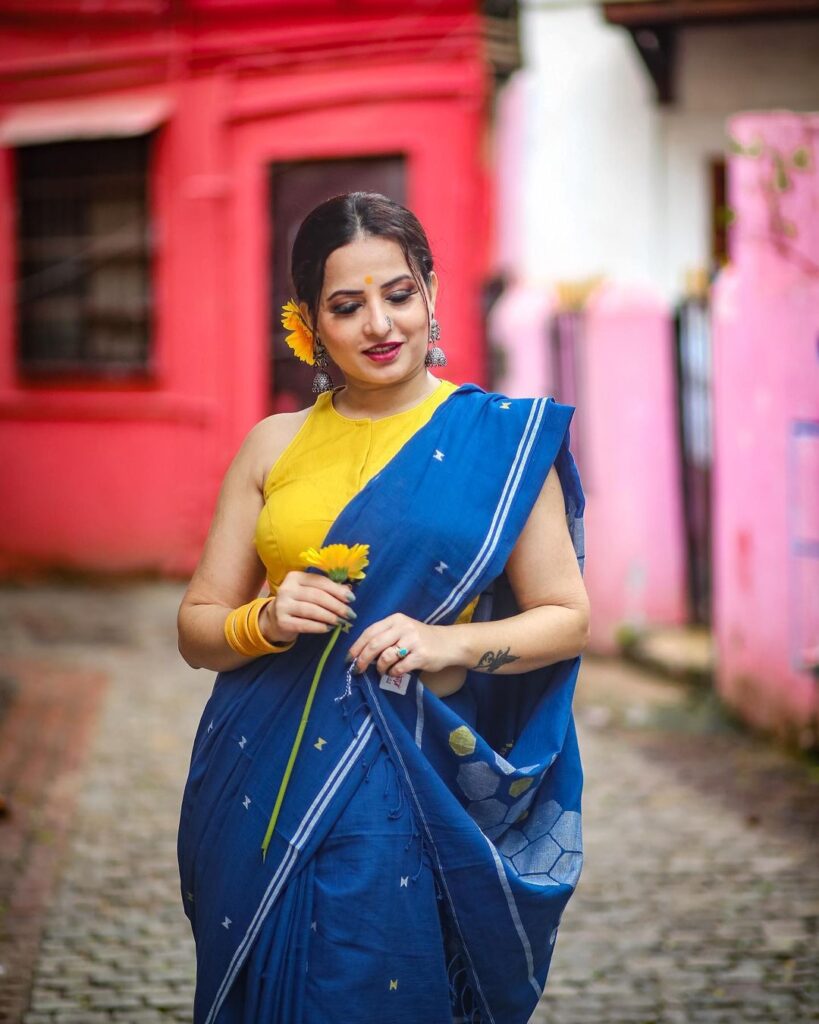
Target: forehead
[{"x": 378, "y": 258}]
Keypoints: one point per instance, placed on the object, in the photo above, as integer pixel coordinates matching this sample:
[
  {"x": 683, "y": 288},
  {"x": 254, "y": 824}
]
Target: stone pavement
[
  {"x": 699, "y": 897},
  {"x": 44, "y": 735},
  {"x": 698, "y": 901}
]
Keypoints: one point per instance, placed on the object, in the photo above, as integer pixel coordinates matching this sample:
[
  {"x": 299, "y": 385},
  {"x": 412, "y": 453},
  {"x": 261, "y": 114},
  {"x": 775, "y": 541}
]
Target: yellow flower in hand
[
  {"x": 341, "y": 562},
  {"x": 301, "y": 338}
]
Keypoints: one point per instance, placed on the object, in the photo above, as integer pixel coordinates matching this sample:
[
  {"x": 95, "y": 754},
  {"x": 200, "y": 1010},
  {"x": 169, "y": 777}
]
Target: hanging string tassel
[
  {"x": 396, "y": 811},
  {"x": 423, "y": 859},
  {"x": 369, "y": 765},
  {"x": 350, "y": 714},
  {"x": 348, "y": 688},
  {"x": 413, "y": 834}
]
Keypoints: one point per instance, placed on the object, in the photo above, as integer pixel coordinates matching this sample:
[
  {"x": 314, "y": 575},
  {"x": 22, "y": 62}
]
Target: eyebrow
[{"x": 388, "y": 284}]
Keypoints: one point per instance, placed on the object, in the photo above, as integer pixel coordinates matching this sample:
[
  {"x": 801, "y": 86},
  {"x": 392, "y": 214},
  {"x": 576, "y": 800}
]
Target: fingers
[
  {"x": 391, "y": 663},
  {"x": 298, "y": 625},
  {"x": 427, "y": 647},
  {"x": 316, "y": 581},
  {"x": 327, "y": 608},
  {"x": 310, "y": 603},
  {"x": 377, "y": 645},
  {"x": 371, "y": 643},
  {"x": 291, "y": 613},
  {"x": 320, "y": 589}
]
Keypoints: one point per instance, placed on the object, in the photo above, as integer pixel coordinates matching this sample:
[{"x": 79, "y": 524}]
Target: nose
[{"x": 378, "y": 322}]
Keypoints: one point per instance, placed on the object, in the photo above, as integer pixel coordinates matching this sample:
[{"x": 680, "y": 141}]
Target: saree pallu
[{"x": 426, "y": 847}]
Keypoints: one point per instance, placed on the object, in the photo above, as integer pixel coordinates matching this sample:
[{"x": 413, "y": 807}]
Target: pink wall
[
  {"x": 766, "y": 444},
  {"x": 625, "y": 439}
]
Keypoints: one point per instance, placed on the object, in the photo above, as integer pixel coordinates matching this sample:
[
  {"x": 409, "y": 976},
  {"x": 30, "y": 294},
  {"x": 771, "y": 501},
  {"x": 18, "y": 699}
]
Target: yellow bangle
[
  {"x": 258, "y": 639},
  {"x": 234, "y": 636},
  {"x": 243, "y": 634}
]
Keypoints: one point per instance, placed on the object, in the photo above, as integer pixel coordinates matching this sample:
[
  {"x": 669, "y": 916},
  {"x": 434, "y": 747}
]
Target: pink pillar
[
  {"x": 517, "y": 327},
  {"x": 766, "y": 443},
  {"x": 635, "y": 567},
  {"x": 628, "y": 453}
]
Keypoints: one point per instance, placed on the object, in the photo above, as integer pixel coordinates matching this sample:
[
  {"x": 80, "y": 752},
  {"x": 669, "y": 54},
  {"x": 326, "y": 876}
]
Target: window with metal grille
[{"x": 84, "y": 296}]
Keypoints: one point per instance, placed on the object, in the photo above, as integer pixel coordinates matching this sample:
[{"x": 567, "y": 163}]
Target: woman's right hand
[{"x": 306, "y": 602}]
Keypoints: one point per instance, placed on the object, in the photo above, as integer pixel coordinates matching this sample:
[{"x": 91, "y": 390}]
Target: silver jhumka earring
[
  {"x": 435, "y": 356},
  {"x": 322, "y": 380}
]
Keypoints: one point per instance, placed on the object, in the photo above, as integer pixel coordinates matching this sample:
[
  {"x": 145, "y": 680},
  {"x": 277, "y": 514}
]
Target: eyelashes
[{"x": 397, "y": 299}]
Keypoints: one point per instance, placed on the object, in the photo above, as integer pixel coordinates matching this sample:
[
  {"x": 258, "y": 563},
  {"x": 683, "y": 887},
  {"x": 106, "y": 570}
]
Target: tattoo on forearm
[{"x": 490, "y": 661}]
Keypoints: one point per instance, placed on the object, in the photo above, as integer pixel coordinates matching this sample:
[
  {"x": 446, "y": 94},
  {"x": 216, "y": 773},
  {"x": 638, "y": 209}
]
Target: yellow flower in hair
[
  {"x": 341, "y": 562},
  {"x": 301, "y": 337}
]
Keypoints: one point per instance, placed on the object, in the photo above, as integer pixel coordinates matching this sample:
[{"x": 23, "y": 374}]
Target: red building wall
[{"x": 123, "y": 476}]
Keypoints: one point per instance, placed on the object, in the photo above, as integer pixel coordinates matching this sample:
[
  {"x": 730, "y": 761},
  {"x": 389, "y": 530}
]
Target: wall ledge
[{"x": 111, "y": 407}]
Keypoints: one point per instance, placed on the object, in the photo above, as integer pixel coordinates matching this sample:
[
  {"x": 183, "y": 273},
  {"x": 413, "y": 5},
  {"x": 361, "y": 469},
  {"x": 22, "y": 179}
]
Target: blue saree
[{"x": 426, "y": 846}]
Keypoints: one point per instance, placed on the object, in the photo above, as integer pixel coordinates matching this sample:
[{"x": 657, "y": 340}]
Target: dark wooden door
[
  {"x": 694, "y": 390},
  {"x": 295, "y": 188}
]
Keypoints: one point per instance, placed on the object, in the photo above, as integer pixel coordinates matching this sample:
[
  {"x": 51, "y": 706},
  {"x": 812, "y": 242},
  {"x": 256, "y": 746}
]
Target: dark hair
[{"x": 344, "y": 218}]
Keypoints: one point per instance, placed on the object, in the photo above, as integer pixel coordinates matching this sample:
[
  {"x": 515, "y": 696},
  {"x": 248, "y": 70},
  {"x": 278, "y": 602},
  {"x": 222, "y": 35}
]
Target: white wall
[
  {"x": 589, "y": 152},
  {"x": 722, "y": 70},
  {"x": 595, "y": 177},
  {"x": 756, "y": 66}
]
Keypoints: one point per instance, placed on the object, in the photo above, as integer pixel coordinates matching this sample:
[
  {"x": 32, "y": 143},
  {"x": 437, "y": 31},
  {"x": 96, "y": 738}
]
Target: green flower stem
[{"x": 297, "y": 742}]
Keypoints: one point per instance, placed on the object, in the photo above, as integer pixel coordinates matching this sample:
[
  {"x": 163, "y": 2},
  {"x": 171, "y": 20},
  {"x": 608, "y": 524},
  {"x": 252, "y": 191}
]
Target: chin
[{"x": 403, "y": 366}]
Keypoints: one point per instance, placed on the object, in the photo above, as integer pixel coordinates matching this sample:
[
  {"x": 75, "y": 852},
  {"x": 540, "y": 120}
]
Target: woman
[{"x": 437, "y": 897}]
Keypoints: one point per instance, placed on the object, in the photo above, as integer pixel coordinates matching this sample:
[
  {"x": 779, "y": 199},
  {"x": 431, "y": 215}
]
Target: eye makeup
[
  {"x": 352, "y": 291},
  {"x": 396, "y": 298}
]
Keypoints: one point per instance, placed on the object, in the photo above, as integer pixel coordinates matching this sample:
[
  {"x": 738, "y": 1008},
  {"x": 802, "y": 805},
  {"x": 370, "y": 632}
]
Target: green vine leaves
[{"x": 777, "y": 170}]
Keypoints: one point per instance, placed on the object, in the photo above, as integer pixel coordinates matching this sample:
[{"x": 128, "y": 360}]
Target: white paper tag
[{"x": 398, "y": 685}]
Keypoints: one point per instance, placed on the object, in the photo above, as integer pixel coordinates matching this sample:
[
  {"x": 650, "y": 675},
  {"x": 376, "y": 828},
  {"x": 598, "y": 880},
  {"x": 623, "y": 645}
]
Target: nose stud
[{"x": 389, "y": 324}]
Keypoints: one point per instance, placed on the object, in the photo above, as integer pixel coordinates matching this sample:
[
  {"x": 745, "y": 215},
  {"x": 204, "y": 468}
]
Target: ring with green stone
[{"x": 402, "y": 652}]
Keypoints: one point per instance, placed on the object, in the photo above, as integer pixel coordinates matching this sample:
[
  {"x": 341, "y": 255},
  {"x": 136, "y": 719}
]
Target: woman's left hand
[{"x": 429, "y": 648}]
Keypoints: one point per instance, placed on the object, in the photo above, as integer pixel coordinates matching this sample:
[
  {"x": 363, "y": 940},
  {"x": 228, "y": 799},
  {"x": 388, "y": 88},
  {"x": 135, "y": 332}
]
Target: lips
[
  {"x": 384, "y": 346},
  {"x": 386, "y": 352}
]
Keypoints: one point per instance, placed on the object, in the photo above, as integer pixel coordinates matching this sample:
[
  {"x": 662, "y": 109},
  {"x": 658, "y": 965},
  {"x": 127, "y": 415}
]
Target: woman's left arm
[
  {"x": 553, "y": 623},
  {"x": 542, "y": 569}
]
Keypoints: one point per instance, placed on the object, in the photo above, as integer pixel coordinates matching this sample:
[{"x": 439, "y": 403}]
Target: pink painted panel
[
  {"x": 635, "y": 567},
  {"x": 134, "y": 502},
  {"x": 125, "y": 475},
  {"x": 766, "y": 445},
  {"x": 517, "y": 327},
  {"x": 626, "y": 416}
]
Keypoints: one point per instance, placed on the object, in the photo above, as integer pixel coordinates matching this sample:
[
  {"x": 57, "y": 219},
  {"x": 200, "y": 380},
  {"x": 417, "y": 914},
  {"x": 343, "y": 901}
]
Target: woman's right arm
[{"x": 230, "y": 572}]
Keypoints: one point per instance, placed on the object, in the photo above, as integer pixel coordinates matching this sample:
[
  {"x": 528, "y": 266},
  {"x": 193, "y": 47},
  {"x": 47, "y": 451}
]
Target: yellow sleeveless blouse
[{"x": 328, "y": 461}]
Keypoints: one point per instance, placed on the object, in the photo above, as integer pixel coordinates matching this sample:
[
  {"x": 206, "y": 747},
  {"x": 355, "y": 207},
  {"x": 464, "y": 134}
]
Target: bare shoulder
[{"x": 267, "y": 440}]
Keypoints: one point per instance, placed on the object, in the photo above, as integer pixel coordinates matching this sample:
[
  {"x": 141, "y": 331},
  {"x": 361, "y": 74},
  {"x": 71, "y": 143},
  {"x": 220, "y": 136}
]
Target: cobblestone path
[
  {"x": 699, "y": 897},
  {"x": 116, "y": 946}
]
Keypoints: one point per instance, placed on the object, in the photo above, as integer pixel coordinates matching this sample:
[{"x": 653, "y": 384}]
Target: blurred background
[{"x": 623, "y": 203}]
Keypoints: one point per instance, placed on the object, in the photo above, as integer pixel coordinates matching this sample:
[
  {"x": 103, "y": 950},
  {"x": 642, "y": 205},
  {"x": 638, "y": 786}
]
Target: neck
[{"x": 358, "y": 399}]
